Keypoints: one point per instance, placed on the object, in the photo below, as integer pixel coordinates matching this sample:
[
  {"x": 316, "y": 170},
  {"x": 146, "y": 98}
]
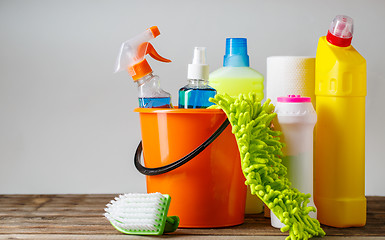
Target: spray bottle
[
  {"x": 132, "y": 58},
  {"x": 340, "y": 89},
  {"x": 197, "y": 92}
]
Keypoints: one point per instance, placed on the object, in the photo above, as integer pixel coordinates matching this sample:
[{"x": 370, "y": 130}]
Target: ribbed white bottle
[{"x": 296, "y": 119}]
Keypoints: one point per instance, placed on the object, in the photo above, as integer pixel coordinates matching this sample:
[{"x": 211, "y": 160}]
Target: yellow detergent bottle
[
  {"x": 340, "y": 89},
  {"x": 237, "y": 77}
]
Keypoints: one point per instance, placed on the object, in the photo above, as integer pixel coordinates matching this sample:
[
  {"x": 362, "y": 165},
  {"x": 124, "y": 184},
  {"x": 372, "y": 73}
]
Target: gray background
[{"x": 66, "y": 121}]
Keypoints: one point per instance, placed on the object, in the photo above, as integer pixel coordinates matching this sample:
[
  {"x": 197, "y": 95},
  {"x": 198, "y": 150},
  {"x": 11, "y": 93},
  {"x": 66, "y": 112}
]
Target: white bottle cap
[{"x": 198, "y": 69}]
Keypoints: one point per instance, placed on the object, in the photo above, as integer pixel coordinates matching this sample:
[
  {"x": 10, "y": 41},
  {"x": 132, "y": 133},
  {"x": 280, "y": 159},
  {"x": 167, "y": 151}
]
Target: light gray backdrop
[{"x": 66, "y": 121}]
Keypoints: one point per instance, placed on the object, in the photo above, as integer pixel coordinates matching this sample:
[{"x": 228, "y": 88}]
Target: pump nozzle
[
  {"x": 199, "y": 55},
  {"x": 132, "y": 54},
  {"x": 198, "y": 69},
  {"x": 340, "y": 32}
]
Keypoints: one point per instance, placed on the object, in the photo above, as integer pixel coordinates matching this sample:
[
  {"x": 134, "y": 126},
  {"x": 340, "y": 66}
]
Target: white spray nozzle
[
  {"x": 198, "y": 69},
  {"x": 199, "y": 55}
]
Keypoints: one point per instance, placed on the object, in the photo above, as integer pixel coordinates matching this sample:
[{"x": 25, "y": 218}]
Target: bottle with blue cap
[{"x": 236, "y": 76}]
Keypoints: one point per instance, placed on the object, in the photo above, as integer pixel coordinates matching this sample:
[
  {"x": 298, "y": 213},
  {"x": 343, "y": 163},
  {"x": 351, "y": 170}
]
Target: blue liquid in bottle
[
  {"x": 197, "y": 92},
  {"x": 162, "y": 102},
  {"x": 151, "y": 95},
  {"x": 190, "y": 97}
]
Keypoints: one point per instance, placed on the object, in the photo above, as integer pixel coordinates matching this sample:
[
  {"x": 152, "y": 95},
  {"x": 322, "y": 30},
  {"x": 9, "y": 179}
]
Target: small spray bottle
[
  {"x": 132, "y": 58},
  {"x": 197, "y": 92}
]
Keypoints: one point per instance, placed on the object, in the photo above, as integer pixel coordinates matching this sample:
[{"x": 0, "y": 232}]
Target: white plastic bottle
[{"x": 296, "y": 119}]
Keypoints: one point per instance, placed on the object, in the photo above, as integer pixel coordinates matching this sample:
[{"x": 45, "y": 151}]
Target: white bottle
[{"x": 296, "y": 119}]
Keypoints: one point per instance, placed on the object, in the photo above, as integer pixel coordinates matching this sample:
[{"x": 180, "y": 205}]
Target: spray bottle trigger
[{"x": 154, "y": 54}]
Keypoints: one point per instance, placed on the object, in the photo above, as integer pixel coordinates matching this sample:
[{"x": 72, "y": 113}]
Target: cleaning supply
[
  {"x": 339, "y": 190},
  {"x": 287, "y": 75},
  {"x": 236, "y": 77},
  {"x": 197, "y": 92},
  {"x": 141, "y": 214},
  {"x": 262, "y": 167},
  {"x": 132, "y": 58},
  {"x": 208, "y": 191},
  {"x": 296, "y": 118},
  {"x": 260, "y": 148}
]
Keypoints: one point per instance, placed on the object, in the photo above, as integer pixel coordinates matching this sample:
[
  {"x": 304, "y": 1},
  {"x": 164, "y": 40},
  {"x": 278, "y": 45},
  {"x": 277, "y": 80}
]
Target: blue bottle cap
[{"x": 236, "y": 53}]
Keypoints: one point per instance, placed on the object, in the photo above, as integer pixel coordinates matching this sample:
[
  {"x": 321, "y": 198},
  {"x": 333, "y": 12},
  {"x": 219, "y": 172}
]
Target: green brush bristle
[{"x": 260, "y": 151}]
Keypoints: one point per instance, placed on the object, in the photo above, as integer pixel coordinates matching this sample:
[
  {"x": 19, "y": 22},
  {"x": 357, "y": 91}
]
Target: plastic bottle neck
[
  {"x": 145, "y": 79},
  {"x": 338, "y": 41},
  {"x": 236, "y": 61},
  {"x": 236, "y": 53},
  {"x": 198, "y": 83}
]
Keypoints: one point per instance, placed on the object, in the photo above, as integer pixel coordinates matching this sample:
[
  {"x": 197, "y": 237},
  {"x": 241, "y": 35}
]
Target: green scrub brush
[
  {"x": 141, "y": 214},
  {"x": 261, "y": 162}
]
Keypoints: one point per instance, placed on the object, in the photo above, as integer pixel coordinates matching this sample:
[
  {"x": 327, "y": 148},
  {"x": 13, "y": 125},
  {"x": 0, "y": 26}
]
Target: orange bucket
[{"x": 209, "y": 190}]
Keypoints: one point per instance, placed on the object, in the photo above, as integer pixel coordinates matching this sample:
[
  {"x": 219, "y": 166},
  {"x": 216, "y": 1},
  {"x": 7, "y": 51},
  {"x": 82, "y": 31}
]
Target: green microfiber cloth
[{"x": 261, "y": 162}]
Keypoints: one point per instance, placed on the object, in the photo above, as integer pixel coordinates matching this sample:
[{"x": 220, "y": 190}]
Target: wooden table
[{"x": 81, "y": 217}]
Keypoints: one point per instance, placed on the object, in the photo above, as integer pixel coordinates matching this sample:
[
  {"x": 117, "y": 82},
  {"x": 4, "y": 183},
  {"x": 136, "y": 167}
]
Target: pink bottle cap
[{"x": 293, "y": 99}]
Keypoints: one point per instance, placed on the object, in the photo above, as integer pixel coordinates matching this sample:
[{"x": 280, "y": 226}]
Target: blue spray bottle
[
  {"x": 197, "y": 92},
  {"x": 132, "y": 58}
]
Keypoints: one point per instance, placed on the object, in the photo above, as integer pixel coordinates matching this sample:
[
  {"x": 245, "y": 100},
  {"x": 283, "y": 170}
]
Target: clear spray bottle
[
  {"x": 197, "y": 92},
  {"x": 132, "y": 58}
]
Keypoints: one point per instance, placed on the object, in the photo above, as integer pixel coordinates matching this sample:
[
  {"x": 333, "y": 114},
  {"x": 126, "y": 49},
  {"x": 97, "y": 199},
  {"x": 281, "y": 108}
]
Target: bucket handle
[{"x": 160, "y": 170}]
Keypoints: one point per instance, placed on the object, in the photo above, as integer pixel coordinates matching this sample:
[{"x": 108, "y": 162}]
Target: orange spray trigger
[
  {"x": 142, "y": 68},
  {"x": 154, "y": 54}
]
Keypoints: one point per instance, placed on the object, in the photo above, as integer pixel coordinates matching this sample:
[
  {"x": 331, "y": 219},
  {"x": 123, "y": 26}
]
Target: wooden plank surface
[
  {"x": 81, "y": 217},
  {"x": 184, "y": 237}
]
